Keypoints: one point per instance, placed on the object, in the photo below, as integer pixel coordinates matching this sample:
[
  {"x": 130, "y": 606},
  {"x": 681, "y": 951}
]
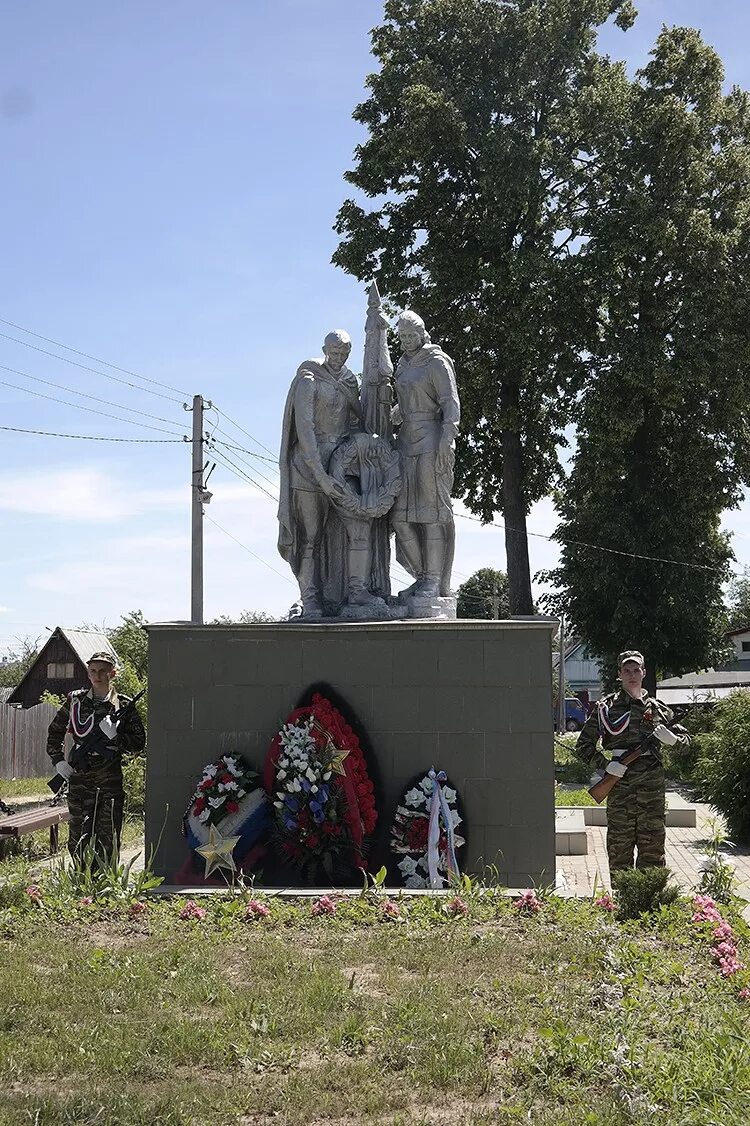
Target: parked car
[{"x": 575, "y": 714}]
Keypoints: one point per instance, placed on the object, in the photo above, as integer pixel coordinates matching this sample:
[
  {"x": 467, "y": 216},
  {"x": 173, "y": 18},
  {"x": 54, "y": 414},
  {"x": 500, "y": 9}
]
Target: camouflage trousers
[
  {"x": 636, "y": 819},
  {"x": 95, "y": 802}
]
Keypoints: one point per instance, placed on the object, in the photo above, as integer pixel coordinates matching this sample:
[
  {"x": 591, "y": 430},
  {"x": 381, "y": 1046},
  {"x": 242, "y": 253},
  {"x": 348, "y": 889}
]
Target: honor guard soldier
[
  {"x": 103, "y": 726},
  {"x": 633, "y": 728}
]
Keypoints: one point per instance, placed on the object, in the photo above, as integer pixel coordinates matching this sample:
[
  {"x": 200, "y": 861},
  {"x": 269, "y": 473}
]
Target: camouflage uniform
[
  {"x": 95, "y": 791},
  {"x": 636, "y": 804}
]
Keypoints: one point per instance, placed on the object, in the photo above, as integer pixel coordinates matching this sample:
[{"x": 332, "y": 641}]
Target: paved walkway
[{"x": 685, "y": 849}]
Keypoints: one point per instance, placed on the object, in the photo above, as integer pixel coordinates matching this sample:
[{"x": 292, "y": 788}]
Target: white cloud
[
  {"x": 89, "y": 494},
  {"x": 6, "y": 610}
]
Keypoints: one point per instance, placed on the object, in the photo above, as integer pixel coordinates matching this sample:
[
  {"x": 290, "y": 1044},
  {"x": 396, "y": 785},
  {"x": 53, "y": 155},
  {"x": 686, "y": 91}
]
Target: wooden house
[{"x": 60, "y": 665}]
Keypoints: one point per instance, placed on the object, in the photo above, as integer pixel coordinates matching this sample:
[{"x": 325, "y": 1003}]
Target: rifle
[
  {"x": 600, "y": 789},
  {"x": 99, "y": 741}
]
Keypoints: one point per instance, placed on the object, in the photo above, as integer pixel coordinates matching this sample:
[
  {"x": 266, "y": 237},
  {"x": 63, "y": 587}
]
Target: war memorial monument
[{"x": 366, "y": 469}]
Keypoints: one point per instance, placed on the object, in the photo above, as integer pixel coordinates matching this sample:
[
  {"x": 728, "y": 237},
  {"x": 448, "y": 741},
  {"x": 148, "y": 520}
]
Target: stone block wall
[{"x": 471, "y": 697}]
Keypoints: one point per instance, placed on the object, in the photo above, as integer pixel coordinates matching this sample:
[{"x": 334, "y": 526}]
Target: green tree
[
  {"x": 662, "y": 446},
  {"x": 723, "y": 768},
  {"x": 130, "y": 642},
  {"x": 245, "y": 617},
  {"x": 484, "y": 595},
  {"x": 17, "y": 663},
  {"x": 738, "y": 608},
  {"x": 481, "y": 169}
]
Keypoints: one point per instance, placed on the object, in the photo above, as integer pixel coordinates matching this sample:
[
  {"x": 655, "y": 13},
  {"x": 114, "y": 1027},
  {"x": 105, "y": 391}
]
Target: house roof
[
  {"x": 4, "y": 694},
  {"x": 698, "y": 687},
  {"x": 84, "y": 644},
  {"x": 734, "y": 632}
]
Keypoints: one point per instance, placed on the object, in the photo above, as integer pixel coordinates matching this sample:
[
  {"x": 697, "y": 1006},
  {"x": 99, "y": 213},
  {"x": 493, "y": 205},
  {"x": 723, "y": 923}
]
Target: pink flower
[
  {"x": 723, "y": 932},
  {"x": 191, "y": 910},
  {"x": 391, "y": 910},
  {"x": 324, "y": 906},
  {"x": 456, "y": 907},
  {"x": 528, "y": 903},
  {"x": 744, "y": 994},
  {"x": 85, "y": 901},
  {"x": 34, "y": 893},
  {"x": 606, "y": 902},
  {"x": 137, "y": 909},
  {"x": 256, "y": 910},
  {"x": 705, "y": 910}
]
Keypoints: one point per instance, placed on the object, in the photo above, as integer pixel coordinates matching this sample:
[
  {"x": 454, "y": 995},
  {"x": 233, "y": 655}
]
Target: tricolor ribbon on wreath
[{"x": 439, "y": 809}]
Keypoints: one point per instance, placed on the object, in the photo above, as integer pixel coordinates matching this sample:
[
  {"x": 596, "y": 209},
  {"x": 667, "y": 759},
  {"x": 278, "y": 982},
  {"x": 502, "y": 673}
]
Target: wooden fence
[{"x": 23, "y": 741}]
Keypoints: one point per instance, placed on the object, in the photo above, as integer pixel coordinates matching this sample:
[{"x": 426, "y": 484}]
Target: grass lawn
[
  {"x": 562, "y": 1017},
  {"x": 24, "y": 787},
  {"x": 573, "y": 797}
]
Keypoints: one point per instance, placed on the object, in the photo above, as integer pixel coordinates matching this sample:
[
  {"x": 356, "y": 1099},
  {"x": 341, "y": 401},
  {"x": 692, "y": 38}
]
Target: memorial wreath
[
  {"x": 424, "y": 834},
  {"x": 323, "y": 799},
  {"x": 229, "y": 797}
]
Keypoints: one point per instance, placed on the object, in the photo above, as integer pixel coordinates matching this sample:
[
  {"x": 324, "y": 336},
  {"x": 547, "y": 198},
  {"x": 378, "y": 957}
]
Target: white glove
[
  {"x": 108, "y": 728},
  {"x": 596, "y": 778},
  {"x": 616, "y": 768},
  {"x": 64, "y": 769},
  {"x": 664, "y": 735}
]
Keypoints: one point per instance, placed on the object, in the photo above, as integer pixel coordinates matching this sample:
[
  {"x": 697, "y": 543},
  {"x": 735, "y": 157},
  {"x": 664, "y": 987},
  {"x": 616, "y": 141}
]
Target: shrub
[
  {"x": 134, "y": 778},
  {"x": 723, "y": 769},
  {"x": 642, "y": 889}
]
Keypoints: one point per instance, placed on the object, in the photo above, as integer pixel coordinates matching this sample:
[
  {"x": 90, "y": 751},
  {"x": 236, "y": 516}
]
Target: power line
[
  {"x": 96, "y": 359},
  {"x": 94, "y": 437},
  {"x": 86, "y": 395},
  {"x": 243, "y": 449},
  {"x": 80, "y": 407},
  {"x": 592, "y": 546},
  {"x": 246, "y": 433},
  {"x": 83, "y": 367},
  {"x": 248, "y": 550},
  {"x": 213, "y": 443},
  {"x": 238, "y": 472}
]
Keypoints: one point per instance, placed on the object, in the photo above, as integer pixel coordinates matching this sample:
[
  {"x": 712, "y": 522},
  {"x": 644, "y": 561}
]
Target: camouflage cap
[
  {"x": 103, "y": 657},
  {"x": 630, "y": 655}
]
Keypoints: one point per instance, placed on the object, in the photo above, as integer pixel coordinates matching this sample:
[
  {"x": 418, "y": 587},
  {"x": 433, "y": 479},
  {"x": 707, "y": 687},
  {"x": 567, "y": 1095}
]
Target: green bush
[
  {"x": 640, "y": 890},
  {"x": 134, "y": 778},
  {"x": 723, "y": 768}
]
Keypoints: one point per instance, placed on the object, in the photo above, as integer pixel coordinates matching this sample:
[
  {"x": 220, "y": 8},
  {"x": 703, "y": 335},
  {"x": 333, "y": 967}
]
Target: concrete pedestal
[{"x": 470, "y": 697}]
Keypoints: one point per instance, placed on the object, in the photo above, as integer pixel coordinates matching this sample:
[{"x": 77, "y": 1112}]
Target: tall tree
[
  {"x": 738, "y": 608},
  {"x": 484, "y": 595},
  {"x": 480, "y": 165},
  {"x": 662, "y": 440}
]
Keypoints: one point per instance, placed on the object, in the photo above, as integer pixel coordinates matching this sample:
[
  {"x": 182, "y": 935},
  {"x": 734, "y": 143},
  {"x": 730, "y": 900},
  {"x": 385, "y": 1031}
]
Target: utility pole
[
  {"x": 561, "y": 679},
  {"x": 200, "y": 496},
  {"x": 495, "y": 602}
]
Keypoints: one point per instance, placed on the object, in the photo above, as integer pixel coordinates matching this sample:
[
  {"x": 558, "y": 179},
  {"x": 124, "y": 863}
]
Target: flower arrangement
[
  {"x": 423, "y": 831},
  {"x": 323, "y": 799},
  {"x": 231, "y": 800},
  {"x": 221, "y": 789}
]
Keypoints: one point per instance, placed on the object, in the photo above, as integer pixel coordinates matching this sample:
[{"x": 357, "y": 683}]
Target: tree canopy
[
  {"x": 478, "y": 167},
  {"x": 662, "y": 435},
  {"x": 484, "y": 595}
]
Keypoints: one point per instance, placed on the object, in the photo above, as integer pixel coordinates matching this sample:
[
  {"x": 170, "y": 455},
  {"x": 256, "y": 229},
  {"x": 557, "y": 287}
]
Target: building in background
[{"x": 60, "y": 665}]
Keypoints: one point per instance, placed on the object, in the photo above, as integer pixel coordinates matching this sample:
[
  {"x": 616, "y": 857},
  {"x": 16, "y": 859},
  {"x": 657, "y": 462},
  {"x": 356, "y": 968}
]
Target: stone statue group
[{"x": 357, "y": 467}]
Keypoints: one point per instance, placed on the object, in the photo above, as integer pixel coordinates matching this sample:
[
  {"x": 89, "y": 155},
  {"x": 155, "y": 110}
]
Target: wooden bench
[{"x": 30, "y": 821}]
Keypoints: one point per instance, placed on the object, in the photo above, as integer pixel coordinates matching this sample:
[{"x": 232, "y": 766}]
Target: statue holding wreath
[{"x": 342, "y": 473}]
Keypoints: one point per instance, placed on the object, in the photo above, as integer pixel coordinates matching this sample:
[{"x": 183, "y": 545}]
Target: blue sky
[{"x": 170, "y": 176}]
